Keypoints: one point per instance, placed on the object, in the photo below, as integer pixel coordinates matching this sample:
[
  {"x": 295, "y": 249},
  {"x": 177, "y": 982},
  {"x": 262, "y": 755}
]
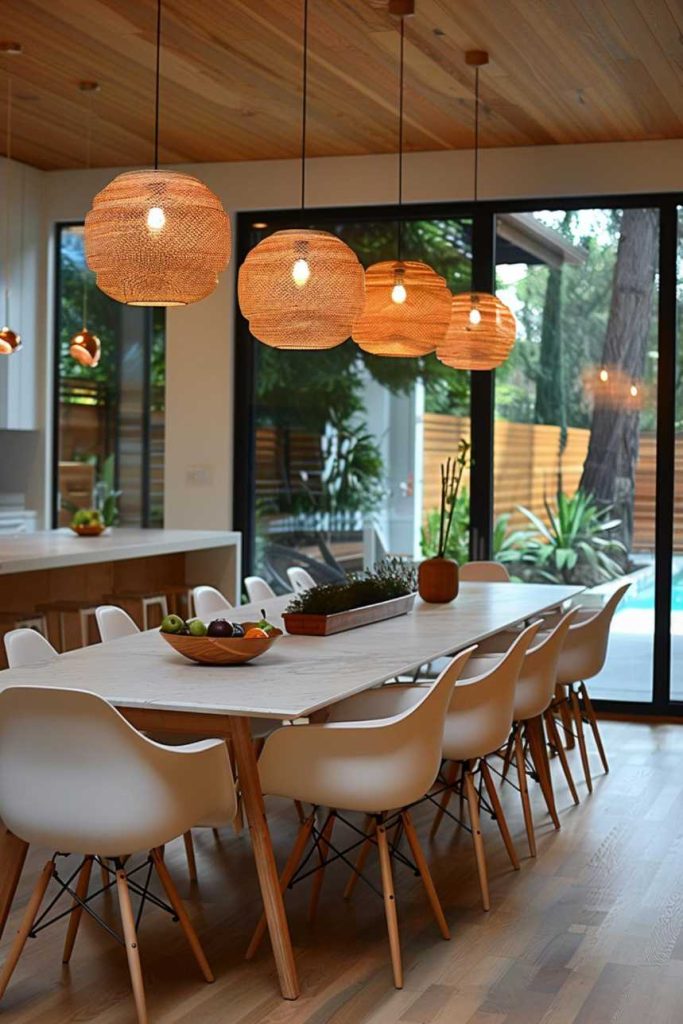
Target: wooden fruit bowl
[
  {"x": 88, "y": 531},
  {"x": 218, "y": 650}
]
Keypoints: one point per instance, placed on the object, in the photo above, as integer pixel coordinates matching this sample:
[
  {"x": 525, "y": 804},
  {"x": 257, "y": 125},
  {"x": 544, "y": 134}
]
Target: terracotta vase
[{"x": 438, "y": 580}]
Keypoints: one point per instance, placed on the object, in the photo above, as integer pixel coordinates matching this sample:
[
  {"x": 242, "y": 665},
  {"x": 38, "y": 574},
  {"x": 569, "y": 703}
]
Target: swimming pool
[{"x": 642, "y": 592}]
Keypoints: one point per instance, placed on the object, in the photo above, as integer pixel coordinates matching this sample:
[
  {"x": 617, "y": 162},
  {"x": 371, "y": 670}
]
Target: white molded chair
[
  {"x": 300, "y": 579},
  {"x": 257, "y": 589},
  {"x": 114, "y": 623},
  {"x": 209, "y": 603},
  {"x": 369, "y": 766},
  {"x": 27, "y": 647},
  {"x": 92, "y": 785},
  {"x": 486, "y": 572}
]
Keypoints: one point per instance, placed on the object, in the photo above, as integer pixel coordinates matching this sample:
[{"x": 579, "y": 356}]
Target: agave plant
[{"x": 573, "y": 546}]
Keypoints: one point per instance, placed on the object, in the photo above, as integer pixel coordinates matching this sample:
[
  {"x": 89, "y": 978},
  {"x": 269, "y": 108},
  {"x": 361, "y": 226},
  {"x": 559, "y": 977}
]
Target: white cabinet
[{"x": 12, "y": 522}]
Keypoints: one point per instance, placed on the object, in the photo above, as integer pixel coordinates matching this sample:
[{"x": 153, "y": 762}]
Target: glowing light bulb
[
  {"x": 604, "y": 375},
  {"x": 475, "y": 316},
  {"x": 399, "y": 293},
  {"x": 156, "y": 218},
  {"x": 300, "y": 273},
  {"x": 634, "y": 391}
]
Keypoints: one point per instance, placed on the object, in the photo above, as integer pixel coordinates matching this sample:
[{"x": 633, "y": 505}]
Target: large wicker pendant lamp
[
  {"x": 482, "y": 329},
  {"x": 157, "y": 237},
  {"x": 407, "y": 304},
  {"x": 10, "y": 341},
  {"x": 301, "y": 289},
  {"x": 84, "y": 346}
]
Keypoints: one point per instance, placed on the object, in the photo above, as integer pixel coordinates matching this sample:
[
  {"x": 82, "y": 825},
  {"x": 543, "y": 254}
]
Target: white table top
[
  {"x": 55, "y": 549},
  {"x": 299, "y": 674}
]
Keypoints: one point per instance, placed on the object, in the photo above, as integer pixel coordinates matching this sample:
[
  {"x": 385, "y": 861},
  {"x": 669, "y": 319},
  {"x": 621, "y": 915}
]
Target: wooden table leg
[
  {"x": 264, "y": 857},
  {"x": 12, "y": 856}
]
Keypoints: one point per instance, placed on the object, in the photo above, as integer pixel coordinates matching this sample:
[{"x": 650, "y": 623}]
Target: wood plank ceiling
[{"x": 561, "y": 71}]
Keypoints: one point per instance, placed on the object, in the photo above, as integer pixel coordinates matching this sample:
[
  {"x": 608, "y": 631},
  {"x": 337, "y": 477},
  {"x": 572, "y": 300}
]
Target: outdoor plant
[
  {"x": 390, "y": 578},
  {"x": 451, "y": 477},
  {"x": 574, "y": 546}
]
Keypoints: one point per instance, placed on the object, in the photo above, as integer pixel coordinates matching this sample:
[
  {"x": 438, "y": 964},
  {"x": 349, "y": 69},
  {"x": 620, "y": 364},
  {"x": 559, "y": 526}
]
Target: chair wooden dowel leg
[
  {"x": 131, "y": 940},
  {"x": 319, "y": 876},
  {"x": 578, "y": 723},
  {"x": 554, "y": 737},
  {"x": 30, "y": 914},
  {"x": 180, "y": 912},
  {"x": 425, "y": 874},
  {"x": 390, "y": 904},
  {"x": 451, "y": 776},
  {"x": 189, "y": 853},
  {"x": 369, "y": 828},
  {"x": 77, "y": 912},
  {"x": 299, "y": 807},
  {"x": 538, "y": 749},
  {"x": 524, "y": 794},
  {"x": 593, "y": 721},
  {"x": 501, "y": 820},
  {"x": 472, "y": 798},
  {"x": 104, "y": 875},
  {"x": 292, "y": 864}
]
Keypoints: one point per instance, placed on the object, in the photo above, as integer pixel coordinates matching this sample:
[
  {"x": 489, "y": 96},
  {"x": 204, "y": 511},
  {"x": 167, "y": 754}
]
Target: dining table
[{"x": 158, "y": 690}]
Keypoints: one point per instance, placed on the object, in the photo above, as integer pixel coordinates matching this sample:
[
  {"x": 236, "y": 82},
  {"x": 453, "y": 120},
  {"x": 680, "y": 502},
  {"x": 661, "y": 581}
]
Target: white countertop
[{"x": 55, "y": 549}]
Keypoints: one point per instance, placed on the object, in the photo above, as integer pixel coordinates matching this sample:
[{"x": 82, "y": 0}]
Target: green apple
[
  {"x": 172, "y": 624},
  {"x": 197, "y": 628}
]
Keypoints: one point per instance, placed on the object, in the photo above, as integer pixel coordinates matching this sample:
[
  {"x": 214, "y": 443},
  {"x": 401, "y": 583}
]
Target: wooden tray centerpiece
[{"x": 384, "y": 592}]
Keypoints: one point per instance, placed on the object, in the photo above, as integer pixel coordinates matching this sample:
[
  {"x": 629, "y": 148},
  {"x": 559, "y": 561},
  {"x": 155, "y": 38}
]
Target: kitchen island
[{"x": 53, "y": 566}]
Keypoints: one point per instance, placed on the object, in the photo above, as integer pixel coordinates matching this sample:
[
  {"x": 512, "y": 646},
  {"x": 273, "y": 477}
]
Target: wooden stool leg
[
  {"x": 451, "y": 776},
  {"x": 131, "y": 940},
  {"x": 524, "y": 793},
  {"x": 77, "y": 912},
  {"x": 593, "y": 722},
  {"x": 189, "y": 853},
  {"x": 287, "y": 875},
  {"x": 83, "y": 619},
  {"x": 425, "y": 874},
  {"x": 390, "y": 904},
  {"x": 180, "y": 912},
  {"x": 578, "y": 722},
  {"x": 501, "y": 820},
  {"x": 319, "y": 876},
  {"x": 557, "y": 745},
  {"x": 472, "y": 798},
  {"x": 369, "y": 828},
  {"x": 30, "y": 914}
]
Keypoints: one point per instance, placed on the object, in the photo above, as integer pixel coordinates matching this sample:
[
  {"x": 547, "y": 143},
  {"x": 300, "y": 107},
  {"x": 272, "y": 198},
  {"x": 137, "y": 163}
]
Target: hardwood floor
[{"x": 590, "y": 932}]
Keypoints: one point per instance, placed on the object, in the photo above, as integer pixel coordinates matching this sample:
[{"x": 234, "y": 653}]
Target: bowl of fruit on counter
[
  {"x": 88, "y": 522},
  {"x": 219, "y": 642}
]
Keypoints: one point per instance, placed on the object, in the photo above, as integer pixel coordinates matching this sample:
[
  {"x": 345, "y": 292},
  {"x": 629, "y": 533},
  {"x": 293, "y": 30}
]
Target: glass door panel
[
  {"x": 575, "y": 430},
  {"x": 677, "y": 581}
]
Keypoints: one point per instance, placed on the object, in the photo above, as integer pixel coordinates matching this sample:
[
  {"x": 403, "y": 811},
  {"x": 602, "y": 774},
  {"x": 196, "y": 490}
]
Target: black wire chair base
[{"x": 65, "y": 887}]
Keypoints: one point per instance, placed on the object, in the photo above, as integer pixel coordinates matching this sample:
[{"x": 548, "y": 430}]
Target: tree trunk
[{"x": 609, "y": 469}]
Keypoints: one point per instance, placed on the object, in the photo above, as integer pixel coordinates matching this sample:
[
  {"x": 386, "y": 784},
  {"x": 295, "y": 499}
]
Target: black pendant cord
[
  {"x": 304, "y": 107},
  {"x": 156, "y": 91},
  {"x": 476, "y": 134},
  {"x": 8, "y": 159},
  {"x": 400, "y": 144},
  {"x": 88, "y": 148}
]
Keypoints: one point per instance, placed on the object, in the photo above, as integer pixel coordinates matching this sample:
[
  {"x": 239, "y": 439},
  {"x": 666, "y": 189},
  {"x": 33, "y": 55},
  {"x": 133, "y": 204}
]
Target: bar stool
[
  {"x": 140, "y": 602},
  {"x": 62, "y": 608},
  {"x": 24, "y": 620},
  {"x": 180, "y": 599}
]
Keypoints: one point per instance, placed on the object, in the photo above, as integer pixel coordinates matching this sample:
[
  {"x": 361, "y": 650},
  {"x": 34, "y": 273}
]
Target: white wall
[{"x": 199, "y": 472}]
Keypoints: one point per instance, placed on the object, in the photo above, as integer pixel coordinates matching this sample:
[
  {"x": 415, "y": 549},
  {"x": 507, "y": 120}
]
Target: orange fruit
[{"x": 255, "y": 633}]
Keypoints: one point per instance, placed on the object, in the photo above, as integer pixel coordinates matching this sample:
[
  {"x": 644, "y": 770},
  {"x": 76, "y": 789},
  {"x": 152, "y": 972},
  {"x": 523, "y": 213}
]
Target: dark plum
[{"x": 220, "y": 627}]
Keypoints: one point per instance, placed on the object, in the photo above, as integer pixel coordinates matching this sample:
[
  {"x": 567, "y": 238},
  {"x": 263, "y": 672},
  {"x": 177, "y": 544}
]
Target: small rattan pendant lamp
[
  {"x": 157, "y": 237},
  {"x": 301, "y": 289},
  {"x": 482, "y": 329},
  {"x": 10, "y": 341},
  {"x": 84, "y": 346},
  {"x": 407, "y": 304}
]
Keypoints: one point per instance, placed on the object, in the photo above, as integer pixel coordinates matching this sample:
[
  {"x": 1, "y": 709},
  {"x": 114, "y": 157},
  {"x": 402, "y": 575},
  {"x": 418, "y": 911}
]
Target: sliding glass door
[{"x": 677, "y": 560}]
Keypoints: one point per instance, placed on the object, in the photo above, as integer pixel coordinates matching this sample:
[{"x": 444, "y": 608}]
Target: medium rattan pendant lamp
[
  {"x": 407, "y": 304},
  {"x": 84, "y": 346},
  {"x": 482, "y": 329},
  {"x": 10, "y": 341},
  {"x": 301, "y": 289},
  {"x": 156, "y": 237}
]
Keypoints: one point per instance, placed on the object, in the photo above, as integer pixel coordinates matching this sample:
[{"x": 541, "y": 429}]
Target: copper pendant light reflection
[
  {"x": 482, "y": 329},
  {"x": 156, "y": 237},
  {"x": 10, "y": 340},
  {"x": 407, "y": 304},
  {"x": 85, "y": 348}
]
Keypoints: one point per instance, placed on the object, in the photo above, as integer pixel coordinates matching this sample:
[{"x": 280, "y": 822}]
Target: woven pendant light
[
  {"x": 10, "y": 341},
  {"x": 407, "y": 304},
  {"x": 406, "y": 311},
  {"x": 482, "y": 329},
  {"x": 156, "y": 237},
  {"x": 299, "y": 288}
]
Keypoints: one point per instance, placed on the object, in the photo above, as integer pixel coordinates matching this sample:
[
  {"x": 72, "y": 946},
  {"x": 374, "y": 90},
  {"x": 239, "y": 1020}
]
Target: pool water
[{"x": 642, "y": 594}]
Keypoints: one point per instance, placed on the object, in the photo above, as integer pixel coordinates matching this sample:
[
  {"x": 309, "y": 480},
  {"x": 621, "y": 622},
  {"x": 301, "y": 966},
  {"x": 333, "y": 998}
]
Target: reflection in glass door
[
  {"x": 677, "y": 566},
  {"x": 575, "y": 432}
]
